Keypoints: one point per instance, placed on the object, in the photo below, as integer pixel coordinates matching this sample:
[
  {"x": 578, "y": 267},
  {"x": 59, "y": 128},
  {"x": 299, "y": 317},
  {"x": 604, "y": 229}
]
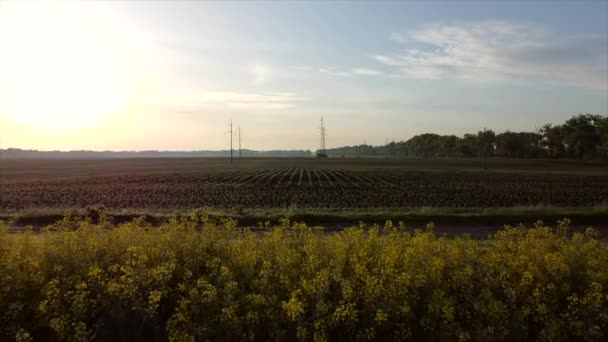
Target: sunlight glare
[{"x": 62, "y": 66}]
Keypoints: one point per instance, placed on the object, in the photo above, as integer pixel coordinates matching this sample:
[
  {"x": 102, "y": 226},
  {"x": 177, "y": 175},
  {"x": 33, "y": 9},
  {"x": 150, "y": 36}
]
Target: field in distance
[{"x": 304, "y": 183}]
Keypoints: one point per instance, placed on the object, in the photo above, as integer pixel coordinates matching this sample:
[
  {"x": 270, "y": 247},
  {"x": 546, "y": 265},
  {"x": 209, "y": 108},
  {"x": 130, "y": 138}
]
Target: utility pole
[
  {"x": 361, "y": 148},
  {"x": 239, "y": 143},
  {"x": 322, "y": 136},
  {"x": 386, "y": 148},
  {"x": 231, "y": 149},
  {"x": 231, "y": 141},
  {"x": 322, "y": 153},
  {"x": 484, "y": 148}
]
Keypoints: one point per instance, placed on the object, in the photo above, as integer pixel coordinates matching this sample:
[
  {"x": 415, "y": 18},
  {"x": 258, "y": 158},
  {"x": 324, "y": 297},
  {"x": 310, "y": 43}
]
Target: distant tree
[
  {"x": 519, "y": 144},
  {"x": 423, "y": 145},
  {"x": 470, "y": 145},
  {"x": 552, "y": 141},
  {"x": 602, "y": 129},
  {"x": 487, "y": 140},
  {"x": 508, "y": 144},
  {"x": 451, "y": 146},
  {"x": 430, "y": 145},
  {"x": 391, "y": 149},
  {"x": 581, "y": 136}
]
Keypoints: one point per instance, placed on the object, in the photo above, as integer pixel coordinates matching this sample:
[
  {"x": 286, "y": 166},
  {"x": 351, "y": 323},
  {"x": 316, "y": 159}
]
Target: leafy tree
[
  {"x": 424, "y": 145},
  {"x": 391, "y": 149},
  {"x": 552, "y": 140},
  {"x": 470, "y": 145},
  {"x": 602, "y": 128},
  {"x": 433, "y": 145},
  {"x": 487, "y": 140},
  {"x": 451, "y": 146},
  {"x": 518, "y": 144},
  {"x": 581, "y": 136}
]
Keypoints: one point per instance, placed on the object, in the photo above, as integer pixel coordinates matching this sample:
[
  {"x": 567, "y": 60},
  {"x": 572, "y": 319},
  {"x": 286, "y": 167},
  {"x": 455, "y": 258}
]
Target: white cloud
[
  {"x": 336, "y": 73},
  {"x": 365, "y": 72},
  {"x": 260, "y": 105},
  {"x": 501, "y": 51},
  {"x": 351, "y": 72},
  {"x": 260, "y": 73},
  {"x": 188, "y": 99},
  {"x": 424, "y": 73}
]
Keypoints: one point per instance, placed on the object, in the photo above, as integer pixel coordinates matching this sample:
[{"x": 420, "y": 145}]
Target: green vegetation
[
  {"x": 581, "y": 137},
  {"x": 199, "y": 279},
  {"x": 251, "y": 217}
]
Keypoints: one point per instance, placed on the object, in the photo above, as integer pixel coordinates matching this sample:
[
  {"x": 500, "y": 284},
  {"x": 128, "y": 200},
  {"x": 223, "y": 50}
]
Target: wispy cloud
[
  {"x": 366, "y": 72},
  {"x": 351, "y": 72},
  {"x": 500, "y": 51},
  {"x": 333, "y": 72},
  {"x": 261, "y": 105},
  {"x": 199, "y": 99}
]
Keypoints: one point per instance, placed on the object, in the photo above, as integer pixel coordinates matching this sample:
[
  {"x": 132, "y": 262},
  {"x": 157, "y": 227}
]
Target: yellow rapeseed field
[{"x": 195, "y": 280}]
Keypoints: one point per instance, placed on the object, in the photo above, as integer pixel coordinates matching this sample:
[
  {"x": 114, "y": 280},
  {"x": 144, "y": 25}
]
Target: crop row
[
  {"x": 310, "y": 188},
  {"x": 298, "y": 177}
]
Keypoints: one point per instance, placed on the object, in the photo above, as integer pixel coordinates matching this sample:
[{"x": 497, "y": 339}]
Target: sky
[{"x": 171, "y": 75}]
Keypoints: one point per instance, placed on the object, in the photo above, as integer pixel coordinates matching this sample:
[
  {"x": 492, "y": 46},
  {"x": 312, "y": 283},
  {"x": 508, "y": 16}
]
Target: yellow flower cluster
[{"x": 195, "y": 280}]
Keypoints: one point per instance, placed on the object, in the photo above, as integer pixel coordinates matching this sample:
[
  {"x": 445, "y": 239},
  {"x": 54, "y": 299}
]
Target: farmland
[
  {"x": 303, "y": 183},
  {"x": 181, "y": 281}
]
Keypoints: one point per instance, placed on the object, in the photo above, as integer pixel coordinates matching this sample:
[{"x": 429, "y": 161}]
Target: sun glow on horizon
[{"x": 61, "y": 67}]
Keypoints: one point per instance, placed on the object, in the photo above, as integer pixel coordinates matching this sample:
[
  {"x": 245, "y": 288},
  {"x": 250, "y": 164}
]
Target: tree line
[{"x": 583, "y": 136}]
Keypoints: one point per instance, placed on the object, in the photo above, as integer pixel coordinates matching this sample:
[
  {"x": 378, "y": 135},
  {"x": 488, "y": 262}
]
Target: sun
[{"x": 62, "y": 66}]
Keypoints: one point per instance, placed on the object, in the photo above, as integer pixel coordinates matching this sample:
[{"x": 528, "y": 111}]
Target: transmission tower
[
  {"x": 322, "y": 136},
  {"x": 322, "y": 151},
  {"x": 239, "y": 143}
]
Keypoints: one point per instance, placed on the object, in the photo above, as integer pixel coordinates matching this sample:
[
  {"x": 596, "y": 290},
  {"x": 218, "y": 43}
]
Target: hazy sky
[{"x": 153, "y": 75}]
